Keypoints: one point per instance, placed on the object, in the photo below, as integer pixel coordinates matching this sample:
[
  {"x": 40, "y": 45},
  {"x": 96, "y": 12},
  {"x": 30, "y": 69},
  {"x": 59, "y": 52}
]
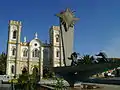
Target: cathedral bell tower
[{"x": 13, "y": 47}]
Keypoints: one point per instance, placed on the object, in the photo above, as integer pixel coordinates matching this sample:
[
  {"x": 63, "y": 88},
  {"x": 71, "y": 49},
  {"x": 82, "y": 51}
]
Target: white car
[{"x": 110, "y": 74}]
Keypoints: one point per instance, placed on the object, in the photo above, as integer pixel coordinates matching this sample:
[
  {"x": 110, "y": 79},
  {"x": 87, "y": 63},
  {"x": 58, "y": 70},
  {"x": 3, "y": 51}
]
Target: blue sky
[{"x": 98, "y": 28}]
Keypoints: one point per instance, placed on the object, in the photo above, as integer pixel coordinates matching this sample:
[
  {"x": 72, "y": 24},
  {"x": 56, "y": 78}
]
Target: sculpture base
[{"x": 83, "y": 72}]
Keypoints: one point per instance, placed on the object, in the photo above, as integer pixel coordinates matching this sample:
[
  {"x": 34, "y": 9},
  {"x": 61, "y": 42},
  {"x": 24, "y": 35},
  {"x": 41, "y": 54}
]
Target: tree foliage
[
  {"x": 47, "y": 73},
  {"x": 59, "y": 84},
  {"x": 87, "y": 59},
  {"x": 27, "y": 81},
  {"x": 3, "y": 59}
]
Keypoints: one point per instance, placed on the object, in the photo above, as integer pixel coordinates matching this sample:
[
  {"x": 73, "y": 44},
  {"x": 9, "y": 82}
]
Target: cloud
[{"x": 113, "y": 47}]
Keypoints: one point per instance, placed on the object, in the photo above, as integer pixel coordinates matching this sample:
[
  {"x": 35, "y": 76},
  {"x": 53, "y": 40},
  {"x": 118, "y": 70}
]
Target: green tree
[
  {"x": 27, "y": 81},
  {"x": 3, "y": 59},
  {"x": 23, "y": 81},
  {"x": 87, "y": 59}
]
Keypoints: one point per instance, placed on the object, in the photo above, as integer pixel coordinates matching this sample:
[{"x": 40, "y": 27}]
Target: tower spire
[
  {"x": 25, "y": 39},
  {"x": 36, "y": 35}
]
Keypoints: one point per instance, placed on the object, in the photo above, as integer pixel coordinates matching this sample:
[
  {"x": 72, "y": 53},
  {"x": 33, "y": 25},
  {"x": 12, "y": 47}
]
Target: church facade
[{"x": 27, "y": 55}]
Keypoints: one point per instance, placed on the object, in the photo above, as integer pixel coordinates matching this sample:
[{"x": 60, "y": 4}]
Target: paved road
[
  {"x": 105, "y": 86},
  {"x": 5, "y": 87}
]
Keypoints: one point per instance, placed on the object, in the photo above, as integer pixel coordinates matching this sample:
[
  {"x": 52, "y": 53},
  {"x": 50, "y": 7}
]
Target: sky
[{"x": 98, "y": 27}]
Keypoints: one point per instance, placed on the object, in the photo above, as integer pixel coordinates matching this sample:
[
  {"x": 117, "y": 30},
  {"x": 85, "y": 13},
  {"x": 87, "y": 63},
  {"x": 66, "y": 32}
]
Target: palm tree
[
  {"x": 103, "y": 55},
  {"x": 87, "y": 59}
]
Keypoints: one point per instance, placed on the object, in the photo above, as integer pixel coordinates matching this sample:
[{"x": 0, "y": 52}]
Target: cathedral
[{"x": 21, "y": 55}]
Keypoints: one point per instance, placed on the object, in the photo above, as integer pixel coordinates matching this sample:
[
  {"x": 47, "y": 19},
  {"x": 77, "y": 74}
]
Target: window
[
  {"x": 14, "y": 34},
  {"x": 57, "y": 38},
  {"x": 35, "y": 44},
  {"x": 12, "y": 69},
  {"x": 13, "y": 51},
  {"x": 35, "y": 53},
  {"x": 57, "y": 53},
  {"x": 25, "y": 53}
]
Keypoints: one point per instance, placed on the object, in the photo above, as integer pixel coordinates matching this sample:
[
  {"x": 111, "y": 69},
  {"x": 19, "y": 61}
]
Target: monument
[
  {"x": 67, "y": 21},
  {"x": 81, "y": 72}
]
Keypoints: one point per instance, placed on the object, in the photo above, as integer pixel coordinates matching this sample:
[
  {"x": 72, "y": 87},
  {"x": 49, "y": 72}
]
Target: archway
[
  {"x": 24, "y": 70},
  {"x": 35, "y": 71}
]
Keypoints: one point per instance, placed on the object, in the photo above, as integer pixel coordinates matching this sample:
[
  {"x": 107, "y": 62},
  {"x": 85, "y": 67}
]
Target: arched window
[
  {"x": 25, "y": 52},
  {"x": 57, "y": 53},
  {"x": 13, "y": 51},
  {"x": 14, "y": 34},
  {"x": 12, "y": 69},
  {"x": 35, "y": 70},
  {"x": 35, "y": 53},
  {"x": 57, "y": 38}
]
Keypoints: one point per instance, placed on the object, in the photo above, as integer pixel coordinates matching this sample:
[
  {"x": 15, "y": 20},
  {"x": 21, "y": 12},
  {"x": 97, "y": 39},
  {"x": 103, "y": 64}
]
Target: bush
[
  {"x": 13, "y": 81},
  {"x": 59, "y": 84}
]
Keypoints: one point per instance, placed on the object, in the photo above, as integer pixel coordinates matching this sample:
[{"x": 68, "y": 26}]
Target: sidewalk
[{"x": 52, "y": 82}]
